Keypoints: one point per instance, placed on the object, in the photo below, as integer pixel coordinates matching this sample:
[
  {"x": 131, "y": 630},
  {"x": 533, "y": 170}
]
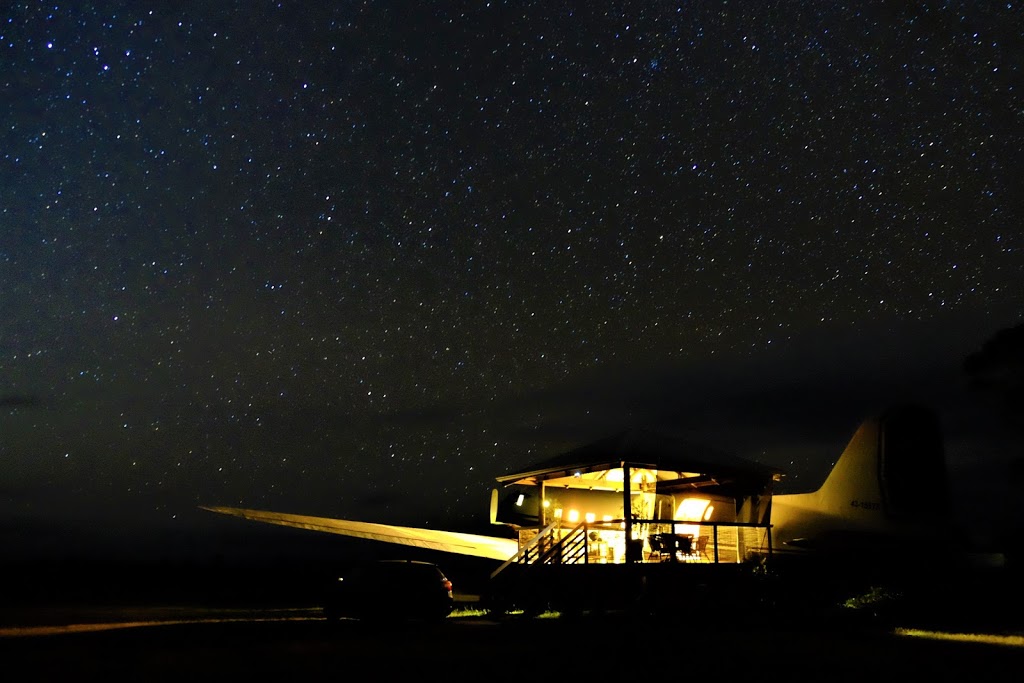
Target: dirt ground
[
  {"x": 276, "y": 644},
  {"x": 44, "y": 637}
]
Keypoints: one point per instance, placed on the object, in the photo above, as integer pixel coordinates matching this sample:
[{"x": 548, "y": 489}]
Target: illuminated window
[{"x": 692, "y": 510}]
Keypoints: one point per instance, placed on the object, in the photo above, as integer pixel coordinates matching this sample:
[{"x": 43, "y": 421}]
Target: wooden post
[
  {"x": 627, "y": 513},
  {"x": 543, "y": 508}
]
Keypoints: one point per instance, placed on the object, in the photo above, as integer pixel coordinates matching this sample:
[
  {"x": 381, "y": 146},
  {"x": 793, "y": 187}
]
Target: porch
[
  {"x": 587, "y": 568},
  {"x": 647, "y": 541}
]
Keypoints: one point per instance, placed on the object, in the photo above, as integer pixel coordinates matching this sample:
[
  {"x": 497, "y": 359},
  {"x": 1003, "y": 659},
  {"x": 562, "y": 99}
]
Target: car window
[{"x": 396, "y": 574}]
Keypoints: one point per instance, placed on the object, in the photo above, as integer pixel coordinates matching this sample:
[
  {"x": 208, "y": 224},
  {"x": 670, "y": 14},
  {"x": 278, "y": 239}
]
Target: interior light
[
  {"x": 692, "y": 509},
  {"x": 643, "y": 476},
  {"x": 520, "y": 499},
  {"x": 547, "y": 503},
  {"x": 590, "y": 517},
  {"x": 574, "y": 516},
  {"x": 707, "y": 513},
  {"x": 558, "y": 513}
]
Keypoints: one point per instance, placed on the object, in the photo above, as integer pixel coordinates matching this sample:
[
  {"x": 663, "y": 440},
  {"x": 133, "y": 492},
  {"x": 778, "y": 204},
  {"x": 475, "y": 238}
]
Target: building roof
[{"x": 667, "y": 458}]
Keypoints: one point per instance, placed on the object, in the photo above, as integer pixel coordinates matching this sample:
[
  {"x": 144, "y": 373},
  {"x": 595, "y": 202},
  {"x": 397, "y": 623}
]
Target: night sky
[{"x": 356, "y": 259}]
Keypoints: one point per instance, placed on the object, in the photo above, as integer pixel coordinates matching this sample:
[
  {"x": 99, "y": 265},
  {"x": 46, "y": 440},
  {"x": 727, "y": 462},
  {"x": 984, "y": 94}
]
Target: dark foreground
[
  {"x": 296, "y": 644},
  {"x": 191, "y": 628}
]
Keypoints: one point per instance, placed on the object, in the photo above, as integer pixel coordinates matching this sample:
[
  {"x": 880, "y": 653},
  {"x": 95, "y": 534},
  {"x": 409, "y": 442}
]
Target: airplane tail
[
  {"x": 894, "y": 463},
  {"x": 890, "y": 478}
]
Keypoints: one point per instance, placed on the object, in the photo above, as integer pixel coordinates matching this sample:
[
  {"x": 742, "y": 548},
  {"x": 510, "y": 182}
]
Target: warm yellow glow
[
  {"x": 590, "y": 517},
  {"x": 547, "y": 503},
  {"x": 574, "y": 516},
  {"x": 643, "y": 476},
  {"x": 987, "y": 638},
  {"x": 606, "y": 518},
  {"x": 707, "y": 513},
  {"x": 520, "y": 499},
  {"x": 692, "y": 509},
  {"x": 558, "y": 513}
]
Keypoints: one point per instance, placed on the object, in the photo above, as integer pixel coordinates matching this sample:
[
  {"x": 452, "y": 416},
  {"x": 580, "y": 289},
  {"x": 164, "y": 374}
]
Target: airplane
[
  {"x": 889, "y": 488},
  {"x": 885, "y": 504}
]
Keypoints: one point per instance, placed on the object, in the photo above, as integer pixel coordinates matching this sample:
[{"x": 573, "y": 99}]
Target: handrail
[
  {"x": 526, "y": 548},
  {"x": 571, "y": 547},
  {"x": 577, "y": 551}
]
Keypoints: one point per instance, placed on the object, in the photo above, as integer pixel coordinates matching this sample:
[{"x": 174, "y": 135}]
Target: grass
[{"x": 464, "y": 612}]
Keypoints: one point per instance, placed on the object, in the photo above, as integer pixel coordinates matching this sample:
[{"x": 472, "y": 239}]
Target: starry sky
[{"x": 357, "y": 259}]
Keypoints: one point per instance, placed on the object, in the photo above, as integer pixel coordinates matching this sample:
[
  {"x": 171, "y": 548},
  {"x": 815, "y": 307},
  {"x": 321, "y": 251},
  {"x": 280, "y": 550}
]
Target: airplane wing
[{"x": 491, "y": 547}]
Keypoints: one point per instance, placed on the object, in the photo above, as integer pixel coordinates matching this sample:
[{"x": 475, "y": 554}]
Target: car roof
[{"x": 395, "y": 565}]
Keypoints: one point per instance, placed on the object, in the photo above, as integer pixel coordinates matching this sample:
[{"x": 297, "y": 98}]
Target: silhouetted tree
[{"x": 998, "y": 369}]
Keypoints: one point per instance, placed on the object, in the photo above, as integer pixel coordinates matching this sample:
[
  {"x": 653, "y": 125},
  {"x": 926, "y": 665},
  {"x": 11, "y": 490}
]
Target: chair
[
  {"x": 682, "y": 545},
  {"x": 699, "y": 549},
  {"x": 658, "y": 550},
  {"x": 670, "y": 547}
]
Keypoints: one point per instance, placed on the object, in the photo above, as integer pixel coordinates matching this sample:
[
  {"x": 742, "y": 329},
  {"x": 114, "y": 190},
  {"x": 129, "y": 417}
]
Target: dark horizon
[{"x": 797, "y": 418}]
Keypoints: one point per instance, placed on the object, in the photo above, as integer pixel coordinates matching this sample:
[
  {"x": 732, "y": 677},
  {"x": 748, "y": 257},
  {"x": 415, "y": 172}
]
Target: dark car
[{"x": 389, "y": 589}]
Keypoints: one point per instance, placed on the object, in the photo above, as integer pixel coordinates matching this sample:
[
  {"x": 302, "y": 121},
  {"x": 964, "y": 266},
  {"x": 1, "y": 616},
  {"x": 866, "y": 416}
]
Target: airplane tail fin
[
  {"x": 891, "y": 477},
  {"x": 894, "y": 464},
  {"x": 913, "y": 467}
]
